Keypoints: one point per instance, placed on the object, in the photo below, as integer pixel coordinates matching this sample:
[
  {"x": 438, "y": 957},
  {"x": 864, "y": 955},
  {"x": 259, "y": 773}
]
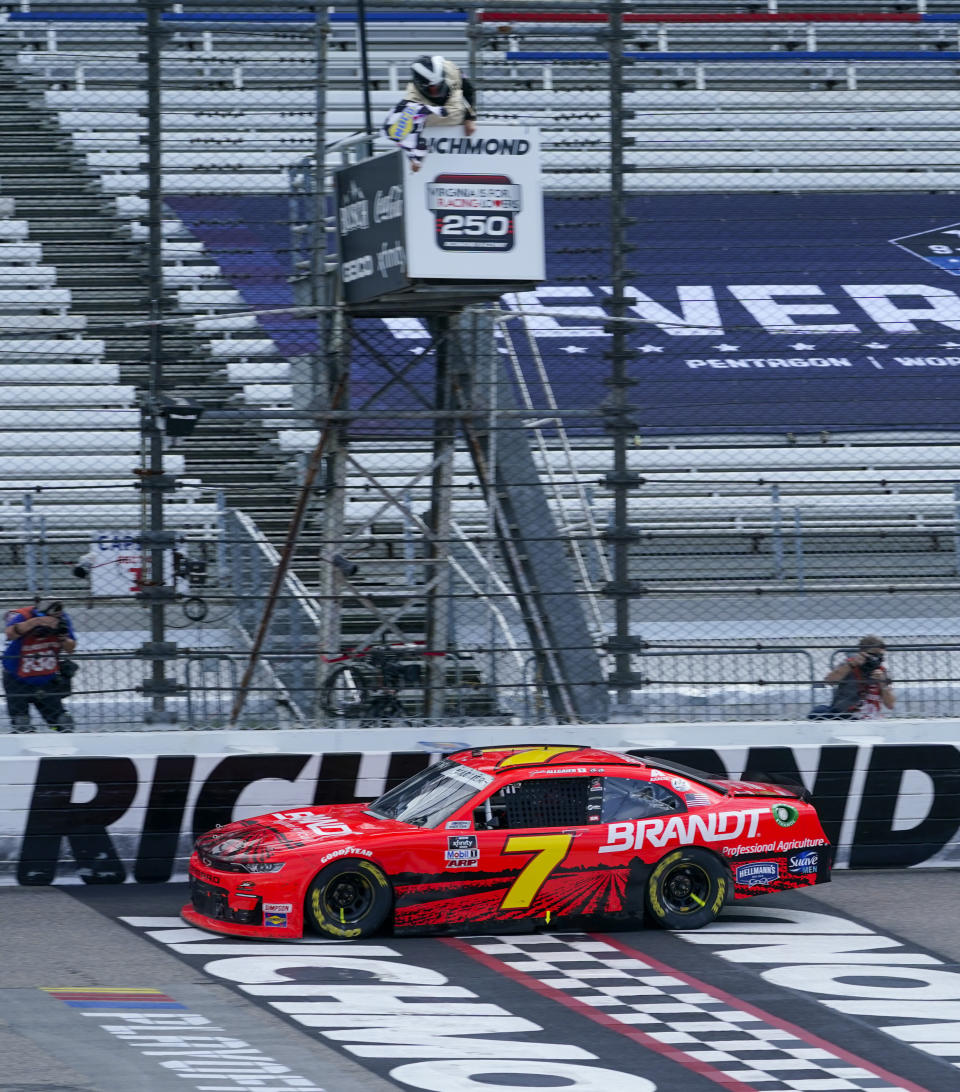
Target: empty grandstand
[{"x": 791, "y": 473}]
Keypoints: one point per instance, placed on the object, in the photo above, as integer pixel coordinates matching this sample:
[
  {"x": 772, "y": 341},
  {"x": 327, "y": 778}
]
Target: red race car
[{"x": 511, "y": 837}]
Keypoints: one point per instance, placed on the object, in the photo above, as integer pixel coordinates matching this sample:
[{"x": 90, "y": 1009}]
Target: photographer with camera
[
  {"x": 862, "y": 686},
  {"x": 37, "y": 637}
]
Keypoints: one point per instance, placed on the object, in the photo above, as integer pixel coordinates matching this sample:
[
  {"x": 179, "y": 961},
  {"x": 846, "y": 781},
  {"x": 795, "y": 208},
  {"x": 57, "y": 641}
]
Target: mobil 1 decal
[
  {"x": 420, "y": 1014},
  {"x": 906, "y": 1000},
  {"x": 474, "y": 212}
]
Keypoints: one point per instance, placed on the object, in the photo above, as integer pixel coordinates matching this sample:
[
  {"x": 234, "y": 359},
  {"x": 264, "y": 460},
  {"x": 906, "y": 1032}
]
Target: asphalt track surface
[{"x": 102, "y": 989}]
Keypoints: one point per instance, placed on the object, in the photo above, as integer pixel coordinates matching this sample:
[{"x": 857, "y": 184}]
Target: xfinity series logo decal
[
  {"x": 938, "y": 246},
  {"x": 474, "y": 212}
]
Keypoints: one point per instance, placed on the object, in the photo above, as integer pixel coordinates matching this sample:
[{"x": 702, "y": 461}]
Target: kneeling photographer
[{"x": 862, "y": 685}]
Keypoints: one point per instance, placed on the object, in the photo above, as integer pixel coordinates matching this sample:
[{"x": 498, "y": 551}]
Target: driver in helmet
[{"x": 438, "y": 94}]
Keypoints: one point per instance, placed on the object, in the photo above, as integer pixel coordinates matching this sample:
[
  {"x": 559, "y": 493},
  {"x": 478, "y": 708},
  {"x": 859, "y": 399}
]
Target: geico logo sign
[
  {"x": 722, "y": 826},
  {"x": 357, "y": 268}
]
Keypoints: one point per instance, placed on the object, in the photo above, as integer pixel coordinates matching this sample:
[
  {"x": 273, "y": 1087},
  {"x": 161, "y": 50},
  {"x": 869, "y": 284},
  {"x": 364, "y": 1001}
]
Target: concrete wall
[{"x": 115, "y": 807}]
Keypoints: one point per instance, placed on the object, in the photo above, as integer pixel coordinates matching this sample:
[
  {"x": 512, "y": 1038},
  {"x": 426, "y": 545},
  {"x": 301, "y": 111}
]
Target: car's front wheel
[
  {"x": 349, "y": 899},
  {"x": 686, "y": 889}
]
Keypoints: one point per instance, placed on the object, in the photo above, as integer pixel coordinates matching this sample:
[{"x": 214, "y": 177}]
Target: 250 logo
[{"x": 474, "y": 212}]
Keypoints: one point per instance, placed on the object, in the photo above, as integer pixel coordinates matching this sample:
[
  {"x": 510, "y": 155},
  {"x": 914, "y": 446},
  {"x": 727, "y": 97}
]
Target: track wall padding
[{"x": 119, "y": 818}]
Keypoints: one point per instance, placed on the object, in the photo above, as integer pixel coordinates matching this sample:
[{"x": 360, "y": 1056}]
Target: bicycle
[{"x": 367, "y": 682}]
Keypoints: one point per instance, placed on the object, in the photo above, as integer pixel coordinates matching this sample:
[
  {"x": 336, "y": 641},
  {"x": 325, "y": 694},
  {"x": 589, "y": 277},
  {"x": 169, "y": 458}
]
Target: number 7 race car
[{"x": 511, "y": 838}]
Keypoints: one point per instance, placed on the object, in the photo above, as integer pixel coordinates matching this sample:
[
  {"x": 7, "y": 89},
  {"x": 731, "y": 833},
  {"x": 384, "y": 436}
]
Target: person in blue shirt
[{"x": 37, "y": 637}]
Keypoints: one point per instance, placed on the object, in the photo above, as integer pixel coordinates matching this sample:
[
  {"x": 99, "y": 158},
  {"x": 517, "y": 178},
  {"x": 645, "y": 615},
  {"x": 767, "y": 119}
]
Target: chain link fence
[{"x": 717, "y": 444}]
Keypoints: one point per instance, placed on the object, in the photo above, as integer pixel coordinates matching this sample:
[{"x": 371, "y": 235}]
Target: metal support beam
[
  {"x": 619, "y": 423},
  {"x": 532, "y": 546},
  {"x": 283, "y": 565},
  {"x": 152, "y": 422},
  {"x": 438, "y": 543}
]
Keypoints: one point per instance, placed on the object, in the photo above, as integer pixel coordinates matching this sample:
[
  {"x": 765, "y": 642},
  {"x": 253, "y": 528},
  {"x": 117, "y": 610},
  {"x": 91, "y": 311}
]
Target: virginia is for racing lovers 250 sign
[
  {"x": 475, "y": 209},
  {"x": 473, "y": 212}
]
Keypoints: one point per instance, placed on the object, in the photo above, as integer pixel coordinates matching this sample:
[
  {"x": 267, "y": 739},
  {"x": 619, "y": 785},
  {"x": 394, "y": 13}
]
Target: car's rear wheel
[
  {"x": 686, "y": 889},
  {"x": 349, "y": 899}
]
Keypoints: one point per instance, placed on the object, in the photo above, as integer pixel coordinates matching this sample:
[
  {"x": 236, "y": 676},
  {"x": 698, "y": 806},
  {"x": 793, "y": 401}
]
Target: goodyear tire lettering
[{"x": 349, "y": 899}]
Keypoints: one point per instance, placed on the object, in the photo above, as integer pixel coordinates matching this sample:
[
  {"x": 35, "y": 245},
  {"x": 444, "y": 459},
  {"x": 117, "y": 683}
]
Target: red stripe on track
[
  {"x": 704, "y": 17},
  {"x": 609, "y": 1022},
  {"x": 762, "y": 1014}
]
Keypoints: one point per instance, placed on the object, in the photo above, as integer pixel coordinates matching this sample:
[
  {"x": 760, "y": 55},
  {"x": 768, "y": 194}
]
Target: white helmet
[{"x": 429, "y": 78}]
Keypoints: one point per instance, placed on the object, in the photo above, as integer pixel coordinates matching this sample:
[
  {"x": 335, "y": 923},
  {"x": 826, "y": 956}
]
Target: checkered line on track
[{"x": 739, "y": 1044}]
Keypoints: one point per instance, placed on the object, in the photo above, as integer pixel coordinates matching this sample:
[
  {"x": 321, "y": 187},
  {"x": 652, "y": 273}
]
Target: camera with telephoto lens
[{"x": 870, "y": 664}]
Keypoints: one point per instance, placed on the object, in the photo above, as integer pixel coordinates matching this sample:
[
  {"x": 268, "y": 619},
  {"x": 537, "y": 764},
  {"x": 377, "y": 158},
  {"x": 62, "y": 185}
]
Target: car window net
[{"x": 555, "y": 803}]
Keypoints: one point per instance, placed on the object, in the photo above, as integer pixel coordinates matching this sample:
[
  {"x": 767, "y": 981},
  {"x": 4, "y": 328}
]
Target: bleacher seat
[
  {"x": 28, "y": 298},
  {"x": 254, "y": 372},
  {"x": 32, "y": 350},
  {"x": 67, "y": 374},
  {"x": 26, "y": 470},
  {"x": 27, "y": 276},
  {"x": 209, "y": 299},
  {"x": 238, "y": 348},
  {"x": 96, "y": 517},
  {"x": 48, "y": 325},
  {"x": 41, "y": 442},
  {"x": 81, "y": 394}
]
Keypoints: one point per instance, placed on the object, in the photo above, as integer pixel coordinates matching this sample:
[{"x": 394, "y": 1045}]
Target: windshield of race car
[{"x": 432, "y": 795}]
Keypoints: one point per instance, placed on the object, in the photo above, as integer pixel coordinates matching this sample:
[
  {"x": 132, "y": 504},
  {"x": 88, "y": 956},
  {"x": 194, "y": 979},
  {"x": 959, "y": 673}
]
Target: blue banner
[{"x": 749, "y": 312}]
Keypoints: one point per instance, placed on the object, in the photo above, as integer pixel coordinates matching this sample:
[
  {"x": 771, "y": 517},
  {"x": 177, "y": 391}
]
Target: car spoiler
[{"x": 723, "y": 787}]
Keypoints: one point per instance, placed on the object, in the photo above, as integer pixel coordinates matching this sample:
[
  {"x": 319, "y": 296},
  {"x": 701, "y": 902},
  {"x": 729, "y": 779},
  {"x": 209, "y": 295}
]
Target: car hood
[{"x": 266, "y": 836}]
